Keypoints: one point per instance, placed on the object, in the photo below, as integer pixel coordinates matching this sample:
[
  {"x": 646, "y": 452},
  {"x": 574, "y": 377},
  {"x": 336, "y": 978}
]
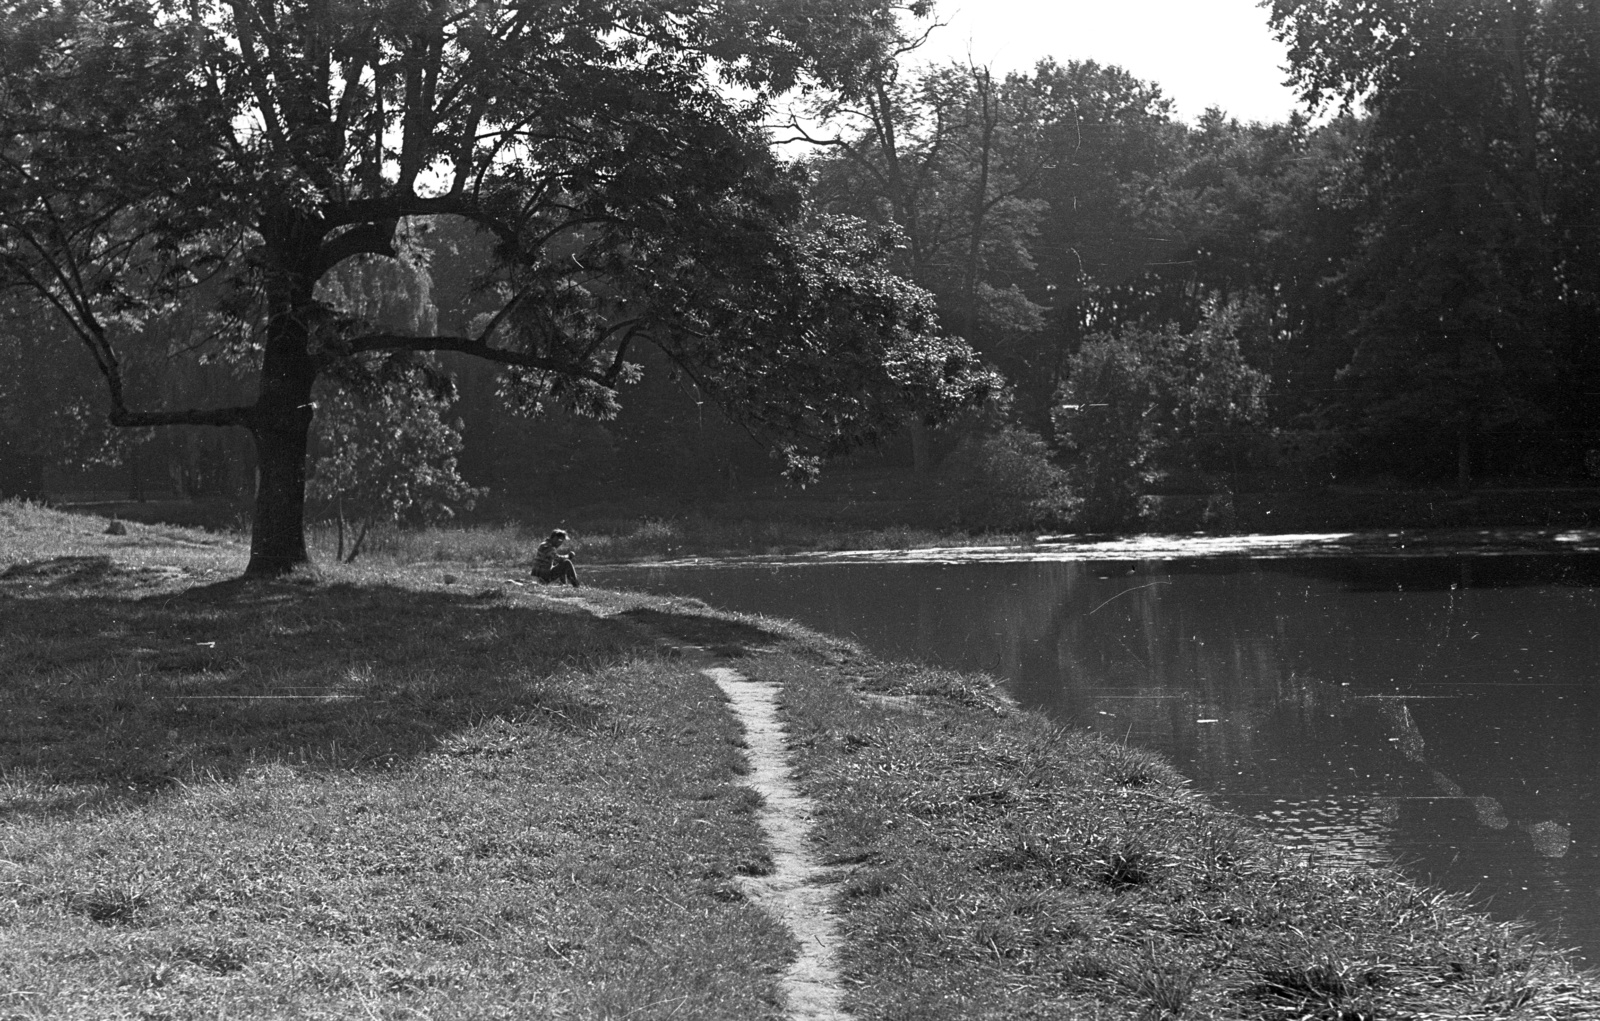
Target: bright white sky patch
[{"x": 1201, "y": 52}]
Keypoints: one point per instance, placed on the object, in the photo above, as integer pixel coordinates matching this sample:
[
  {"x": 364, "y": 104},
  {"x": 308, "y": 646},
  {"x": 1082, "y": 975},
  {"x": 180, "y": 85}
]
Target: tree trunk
[
  {"x": 356, "y": 549},
  {"x": 277, "y": 539},
  {"x": 281, "y": 424},
  {"x": 1463, "y": 460}
]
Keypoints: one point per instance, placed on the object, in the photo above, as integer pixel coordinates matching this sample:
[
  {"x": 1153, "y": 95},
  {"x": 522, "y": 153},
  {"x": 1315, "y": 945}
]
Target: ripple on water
[{"x": 1339, "y": 829}]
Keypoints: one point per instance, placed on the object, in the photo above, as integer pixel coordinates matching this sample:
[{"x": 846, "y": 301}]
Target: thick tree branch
[
  {"x": 419, "y": 118},
  {"x": 245, "y": 24},
  {"x": 626, "y": 327},
  {"x": 614, "y": 372},
  {"x": 367, "y": 238},
  {"x": 465, "y": 143},
  {"x": 353, "y": 70},
  {"x": 394, "y": 207}
]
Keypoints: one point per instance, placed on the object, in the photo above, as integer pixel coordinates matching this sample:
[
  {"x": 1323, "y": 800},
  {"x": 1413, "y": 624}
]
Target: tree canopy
[
  {"x": 215, "y": 162},
  {"x": 1473, "y": 297},
  {"x": 242, "y": 210}
]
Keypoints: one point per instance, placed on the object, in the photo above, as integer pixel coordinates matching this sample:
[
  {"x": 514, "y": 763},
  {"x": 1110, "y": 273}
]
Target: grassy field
[{"x": 426, "y": 790}]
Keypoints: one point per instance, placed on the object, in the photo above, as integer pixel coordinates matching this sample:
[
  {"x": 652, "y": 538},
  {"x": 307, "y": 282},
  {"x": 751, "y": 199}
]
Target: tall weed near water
[{"x": 624, "y": 540}]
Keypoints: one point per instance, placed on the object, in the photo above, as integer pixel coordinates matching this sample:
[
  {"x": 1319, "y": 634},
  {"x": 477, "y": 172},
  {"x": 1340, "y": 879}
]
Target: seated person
[{"x": 549, "y": 565}]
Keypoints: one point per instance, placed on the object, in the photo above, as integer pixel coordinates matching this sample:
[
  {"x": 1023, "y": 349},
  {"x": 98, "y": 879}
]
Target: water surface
[{"x": 1440, "y": 711}]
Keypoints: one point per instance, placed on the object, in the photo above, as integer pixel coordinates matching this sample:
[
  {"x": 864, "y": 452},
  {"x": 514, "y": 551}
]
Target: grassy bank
[
  {"x": 1001, "y": 867},
  {"x": 376, "y": 795},
  {"x": 429, "y": 791}
]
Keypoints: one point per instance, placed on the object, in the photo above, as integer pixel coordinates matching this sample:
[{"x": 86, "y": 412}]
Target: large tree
[
  {"x": 941, "y": 152},
  {"x": 1019, "y": 196},
  {"x": 235, "y": 153},
  {"x": 1476, "y": 290}
]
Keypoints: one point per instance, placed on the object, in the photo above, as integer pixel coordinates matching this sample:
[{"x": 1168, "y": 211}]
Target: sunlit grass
[
  {"x": 997, "y": 866},
  {"x": 425, "y": 789},
  {"x": 377, "y": 794}
]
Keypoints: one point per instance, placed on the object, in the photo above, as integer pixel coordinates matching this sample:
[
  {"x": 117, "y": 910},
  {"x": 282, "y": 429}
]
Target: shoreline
[
  {"x": 488, "y": 793},
  {"x": 1156, "y": 546},
  {"x": 1075, "y": 640},
  {"x": 842, "y": 517}
]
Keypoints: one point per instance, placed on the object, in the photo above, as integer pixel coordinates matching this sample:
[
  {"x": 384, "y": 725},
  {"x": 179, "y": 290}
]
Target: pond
[{"x": 1440, "y": 711}]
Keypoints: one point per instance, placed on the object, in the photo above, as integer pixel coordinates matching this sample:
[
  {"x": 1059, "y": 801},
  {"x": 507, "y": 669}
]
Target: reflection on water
[{"x": 1439, "y": 711}]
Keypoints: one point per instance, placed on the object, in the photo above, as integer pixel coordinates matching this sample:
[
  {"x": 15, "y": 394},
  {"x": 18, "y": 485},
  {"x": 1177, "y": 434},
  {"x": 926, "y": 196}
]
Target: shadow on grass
[
  {"x": 108, "y": 695},
  {"x": 717, "y": 635},
  {"x": 79, "y": 574}
]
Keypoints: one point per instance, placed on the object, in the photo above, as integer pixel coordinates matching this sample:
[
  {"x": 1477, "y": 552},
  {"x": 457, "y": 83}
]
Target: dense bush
[
  {"x": 1006, "y": 482},
  {"x": 1147, "y": 400}
]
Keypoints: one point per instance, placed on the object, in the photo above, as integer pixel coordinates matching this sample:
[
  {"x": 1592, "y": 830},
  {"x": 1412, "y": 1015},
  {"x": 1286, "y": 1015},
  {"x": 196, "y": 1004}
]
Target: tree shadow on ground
[
  {"x": 717, "y": 635},
  {"x": 80, "y": 574},
  {"x": 111, "y": 695}
]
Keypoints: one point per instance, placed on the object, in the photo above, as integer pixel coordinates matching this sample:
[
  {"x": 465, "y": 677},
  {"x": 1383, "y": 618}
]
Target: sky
[{"x": 1201, "y": 52}]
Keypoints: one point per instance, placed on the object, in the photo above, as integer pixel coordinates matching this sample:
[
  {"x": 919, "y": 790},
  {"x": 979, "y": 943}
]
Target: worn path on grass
[{"x": 799, "y": 889}]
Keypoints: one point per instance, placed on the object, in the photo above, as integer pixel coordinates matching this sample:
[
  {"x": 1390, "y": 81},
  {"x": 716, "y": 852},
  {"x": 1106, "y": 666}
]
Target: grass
[
  {"x": 376, "y": 795},
  {"x": 408, "y": 791},
  {"x": 1000, "y": 867},
  {"x": 617, "y": 540}
]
